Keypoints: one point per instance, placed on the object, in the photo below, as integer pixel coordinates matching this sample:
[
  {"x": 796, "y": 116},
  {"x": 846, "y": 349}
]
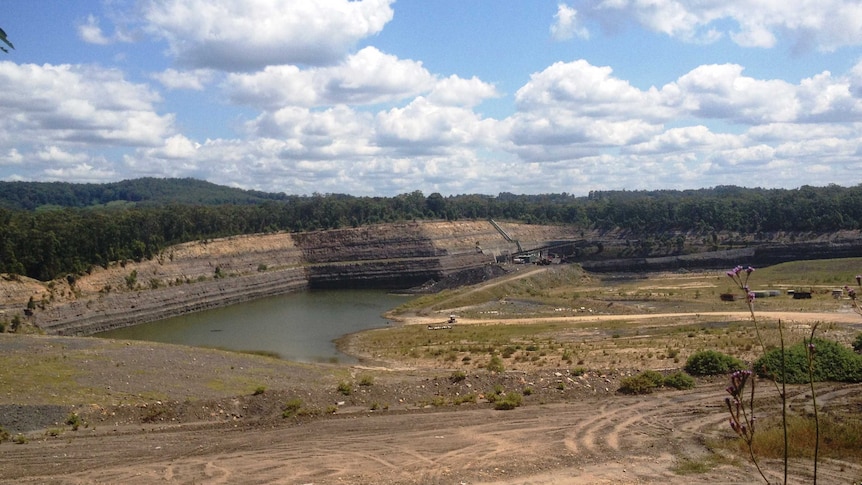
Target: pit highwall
[{"x": 201, "y": 275}]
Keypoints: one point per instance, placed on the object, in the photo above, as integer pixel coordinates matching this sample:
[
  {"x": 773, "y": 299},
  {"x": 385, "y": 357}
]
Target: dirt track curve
[{"x": 624, "y": 439}]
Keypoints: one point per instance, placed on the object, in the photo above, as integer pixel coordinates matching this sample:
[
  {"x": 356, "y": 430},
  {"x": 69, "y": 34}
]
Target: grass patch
[
  {"x": 695, "y": 466},
  {"x": 295, "y": 408},
  {"x": 508, "y": 401},
  {"x": 47, "y": 380},
  {"x": 261, "y": 353},
  {"x": 345, "y": 388},
  {"x": 840, "y": 437}
]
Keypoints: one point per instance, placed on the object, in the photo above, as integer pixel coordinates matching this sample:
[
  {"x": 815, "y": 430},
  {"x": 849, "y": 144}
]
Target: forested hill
[
  {"x": 53, "y": 229},
  {"x": 35, "y": 195}
]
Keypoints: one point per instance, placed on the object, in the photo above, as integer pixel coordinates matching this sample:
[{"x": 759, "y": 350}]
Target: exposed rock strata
[
  {"x": 206, "y": 274},
  {"x": 764, "y": 255}
]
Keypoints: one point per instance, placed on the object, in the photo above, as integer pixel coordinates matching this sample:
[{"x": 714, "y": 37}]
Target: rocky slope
[{"x": 206, "y": 274}]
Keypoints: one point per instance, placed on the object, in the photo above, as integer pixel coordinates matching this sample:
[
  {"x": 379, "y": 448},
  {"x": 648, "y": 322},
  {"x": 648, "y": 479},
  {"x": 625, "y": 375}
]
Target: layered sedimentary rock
[
  {"x": 206, "y": 274},
  {"x": 393, "y": 255},
  {"x": 762, "y": 255}
]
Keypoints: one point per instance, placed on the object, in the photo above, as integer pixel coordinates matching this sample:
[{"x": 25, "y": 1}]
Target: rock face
[
  {"x": 206, "y": 274},
  {"x": 764, "y": 255}
]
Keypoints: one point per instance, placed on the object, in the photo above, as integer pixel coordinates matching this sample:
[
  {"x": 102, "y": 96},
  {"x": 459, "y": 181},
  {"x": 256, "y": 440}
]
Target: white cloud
[
  {"x": 11, "y": 157},
  {"x": 91, "y": 33},
  {"x": 424, "y": 127},
  {"x": 238, "y": 35},
  {"x": 367, "y": 77},
  {"x": 456, "y": 91},
  {"x": 195, "y": 80},
  {"x": 78, "y": 104},
  {"x": 825, "y": 25},
  {"x": 566, "y": 25},
  {"x": 722, "y": 92},
  {"x": 582, "y": 89},
  {"x": 82, "y": 172},
  {"x": 581, "y": 123},
  {"x": 175, "y": 147},
  {"x": 300, "y": 133},
  {"x": 688, "y": 139},
  {"x": 53, "y": 154}
]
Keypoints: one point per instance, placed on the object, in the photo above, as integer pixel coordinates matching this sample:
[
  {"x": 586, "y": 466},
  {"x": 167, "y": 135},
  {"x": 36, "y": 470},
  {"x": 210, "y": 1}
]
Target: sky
[{"x": 384, "y": 97}]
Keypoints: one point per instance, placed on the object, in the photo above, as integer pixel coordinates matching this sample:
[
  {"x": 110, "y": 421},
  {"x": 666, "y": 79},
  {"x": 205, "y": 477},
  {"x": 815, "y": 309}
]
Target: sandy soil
[
  {"x": 786, "y": 317},
  {"x": 157, "y": 413},
  {"x": 586, "y": 434},
  {"x": 594, "y": 440}
]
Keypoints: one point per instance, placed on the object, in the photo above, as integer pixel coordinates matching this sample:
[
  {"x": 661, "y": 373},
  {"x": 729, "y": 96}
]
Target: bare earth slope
[{"x": 204, "y": 274}]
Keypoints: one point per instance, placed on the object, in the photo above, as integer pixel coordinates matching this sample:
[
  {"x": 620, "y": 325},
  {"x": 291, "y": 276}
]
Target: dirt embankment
[
  {"x": 205, "y": 274},
  {"x": 161, "y": 413}
]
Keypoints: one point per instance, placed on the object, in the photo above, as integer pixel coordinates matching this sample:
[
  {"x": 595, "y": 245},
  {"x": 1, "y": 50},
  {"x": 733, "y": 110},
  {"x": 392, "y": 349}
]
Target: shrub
[
  {"x": 366, "y": 380},
  {"x": 495, "y": 364},
  {"x": 458, "y": 376},
  {"x": 132, "y": 279},
  {"x": 4, "y": 435},
  {"x": 74, "y": 421},
  {"x": 291, "y": 408},
  {"x": 857, "y": 344},
  {"x": 710, "y": 363},
  {"x": 345, "y": 388},
  {"x": 259, "y": 390},
  {"x": 679, "y": 380},
  {"x": 509, "y": 401},
  {"x": 832, "y": 362},
  {"x": 643, "y": 383}
]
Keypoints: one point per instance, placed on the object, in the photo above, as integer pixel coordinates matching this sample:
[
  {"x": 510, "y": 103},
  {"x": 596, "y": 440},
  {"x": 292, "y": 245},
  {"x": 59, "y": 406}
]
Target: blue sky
[{"x": 381, "y": 97}]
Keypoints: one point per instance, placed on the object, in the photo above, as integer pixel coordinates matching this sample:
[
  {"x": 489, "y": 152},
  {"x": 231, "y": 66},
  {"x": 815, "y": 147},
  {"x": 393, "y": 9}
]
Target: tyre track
[{"x": 630, "y": 439}]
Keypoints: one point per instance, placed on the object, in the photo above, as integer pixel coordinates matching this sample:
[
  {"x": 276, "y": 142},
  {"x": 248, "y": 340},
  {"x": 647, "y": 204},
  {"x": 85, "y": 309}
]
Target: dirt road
[
  {"x": 787, "y": 317},
  {"x": 623, "y": 439}
]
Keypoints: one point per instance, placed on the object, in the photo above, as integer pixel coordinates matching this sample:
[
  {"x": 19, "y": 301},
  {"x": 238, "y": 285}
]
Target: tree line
[{"x": 52, "y": 240}]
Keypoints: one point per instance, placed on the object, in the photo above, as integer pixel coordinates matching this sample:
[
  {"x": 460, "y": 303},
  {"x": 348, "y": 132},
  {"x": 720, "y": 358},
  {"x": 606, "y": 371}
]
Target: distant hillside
[
  {"x": 54, "y": 229},
  {"x": 144, "y": 191}
]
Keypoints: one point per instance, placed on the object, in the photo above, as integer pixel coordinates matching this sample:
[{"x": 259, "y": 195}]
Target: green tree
[{"x": 5, "y": 40}]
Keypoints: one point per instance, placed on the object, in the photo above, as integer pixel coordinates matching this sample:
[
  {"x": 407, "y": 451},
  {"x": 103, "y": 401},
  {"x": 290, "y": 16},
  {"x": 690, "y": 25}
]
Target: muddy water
[{"x": 299, "y": 326}]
